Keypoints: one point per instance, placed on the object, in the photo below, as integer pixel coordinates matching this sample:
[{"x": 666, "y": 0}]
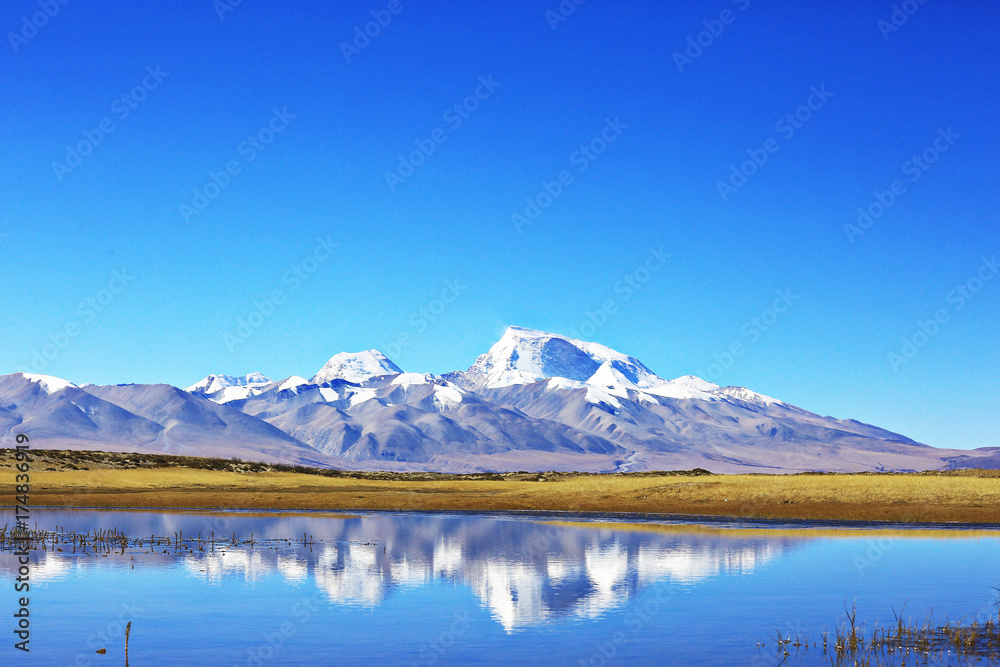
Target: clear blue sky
[{"x": 190, "y": 278}]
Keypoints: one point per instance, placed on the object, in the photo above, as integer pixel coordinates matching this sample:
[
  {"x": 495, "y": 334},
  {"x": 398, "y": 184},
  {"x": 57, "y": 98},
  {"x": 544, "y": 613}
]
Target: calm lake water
[{"x": 423, "y": 589}]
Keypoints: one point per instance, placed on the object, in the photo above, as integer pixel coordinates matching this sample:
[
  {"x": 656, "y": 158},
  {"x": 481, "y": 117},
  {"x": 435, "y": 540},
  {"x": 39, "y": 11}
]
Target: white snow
[
  {"x": 49, "y": 383},
  {"x": 563, "y": 383},
  {"x": 227, "y": 394},
  {"x": 686, "y": 387},
  {"x": 237, "y": 393},
  {"x": 748, "y": 396},
  {"x": 524, "y": 356},
  {"x": 646, "y": 398},
  {"x": 356, "y": 367},
  {"x": 695, "y": 382},
  {"x": 328, "y": 395},
  {"x": 609, "y": 379},
  {"x": 596, "y": 393},
  {"x": 217, "y": 382},
  {"x": 597, "y": 396},
  {"x": 360, "y": 396},
  {"x": 292, "y": 382},
  {"x": 409, "y": 379},
  {"x": 447, "y": 397},
  {"x": 692, "y": 387}
]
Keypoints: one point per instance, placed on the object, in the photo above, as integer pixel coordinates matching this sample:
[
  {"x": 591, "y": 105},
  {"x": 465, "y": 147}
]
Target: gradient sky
[{"x": 188, "y": 282}]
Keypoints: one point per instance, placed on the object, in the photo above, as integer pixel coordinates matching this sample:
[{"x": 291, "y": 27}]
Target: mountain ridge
[{"x": 533, "y": 401}]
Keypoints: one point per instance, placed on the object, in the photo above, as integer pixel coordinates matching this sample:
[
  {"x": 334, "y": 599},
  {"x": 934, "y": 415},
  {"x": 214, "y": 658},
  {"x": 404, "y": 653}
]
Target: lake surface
[{"x": 423, "y": 589}]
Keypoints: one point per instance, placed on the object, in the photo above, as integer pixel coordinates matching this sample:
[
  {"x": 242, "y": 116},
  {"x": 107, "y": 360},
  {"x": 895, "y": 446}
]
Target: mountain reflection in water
[{"x": 525, "y": 572}]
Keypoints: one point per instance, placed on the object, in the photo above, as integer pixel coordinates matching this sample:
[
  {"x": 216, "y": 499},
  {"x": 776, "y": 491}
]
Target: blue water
[{"x": 436, "y": 589}]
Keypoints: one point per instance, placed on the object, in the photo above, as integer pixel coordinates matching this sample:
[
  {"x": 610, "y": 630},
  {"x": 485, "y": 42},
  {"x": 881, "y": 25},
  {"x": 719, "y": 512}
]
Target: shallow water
[{"x": 422, "y": 589}]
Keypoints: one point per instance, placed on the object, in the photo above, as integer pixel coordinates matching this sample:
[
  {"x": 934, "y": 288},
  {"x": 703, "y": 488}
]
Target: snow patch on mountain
[
  {"x": 686, "y": 388},
  {"x": 228, "y": 394},
  {"x": 361, "y": 396},
  {"x": 563, "y": 383},
  {"x": 447, "y": 396},
  {"x": 328, "y": 395},
  {"x": 534, "y": 401},
  {"x": 49, "y": 384},
  {"x": 598, "y": 397},
  {"x": 356, "y": 367},
  {"x": 610, "y": 377},
  {"x": 217, "y": 382},
  {"x": 293, "y": 382},
  {"x": 405, "y": 380},
  {"x": 525, "y": 356},
  {"x": 748, "y": 396}
]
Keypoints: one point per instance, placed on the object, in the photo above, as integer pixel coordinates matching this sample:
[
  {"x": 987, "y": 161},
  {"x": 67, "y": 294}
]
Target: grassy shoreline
[{"x": 110, "y": 480}]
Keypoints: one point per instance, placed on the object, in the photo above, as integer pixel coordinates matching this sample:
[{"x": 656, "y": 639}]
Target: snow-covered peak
[
  {"x": 622, "y": 374},
  {"x": 356, "y": 367},
  {"x": 409, "y": 379},
  {"x": 292, "y": 382},
  {"x": 687, "y": 387},
  {"x": 694, "y": 382},
  {"x": 524, "y": 356},
  {"x": 217, "y": 382},
  {"x": 49, "y": 384},
  {"x": 692, "y": 387},
  {"x": 447, "y": 396},
  {"x": 748, "y": 396}
]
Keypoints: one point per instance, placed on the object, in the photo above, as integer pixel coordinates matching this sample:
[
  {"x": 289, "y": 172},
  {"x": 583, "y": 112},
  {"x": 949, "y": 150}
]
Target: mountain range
[{"x": 535, "y": 401}]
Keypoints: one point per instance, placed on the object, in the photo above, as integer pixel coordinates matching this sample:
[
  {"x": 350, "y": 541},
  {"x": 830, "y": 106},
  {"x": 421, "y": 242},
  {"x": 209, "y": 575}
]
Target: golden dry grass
[
  {"x": 798, "y": 532},
  {"x": 970, "y": 497}
]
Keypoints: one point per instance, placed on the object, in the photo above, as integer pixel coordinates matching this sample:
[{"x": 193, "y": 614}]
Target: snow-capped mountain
[
  {"x": 356, "y": 367},
  {"x": 215, "y": 382},
  {"x": 46, "y": 383},
  {"x": 534, "y": 401},
  {"x": 140, "y": 418},
  {"x": 523, "y": 356}
]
